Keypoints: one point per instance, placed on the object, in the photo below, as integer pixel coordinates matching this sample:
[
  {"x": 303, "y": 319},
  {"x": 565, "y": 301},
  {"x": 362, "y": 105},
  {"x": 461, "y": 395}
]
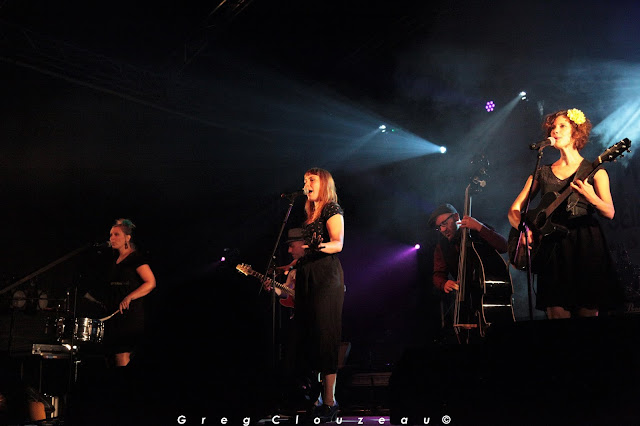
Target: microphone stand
[
  {"x": 524, "y": 228},
  {"x": 292, "y": 199}
]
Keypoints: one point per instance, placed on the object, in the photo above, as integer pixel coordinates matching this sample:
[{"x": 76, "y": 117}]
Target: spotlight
[
  {"x": 490, "y": 106},
  {"x": 417, "y": 246},
  {"x": 523, "y": 93},
  {"x": 222, "y": 259},
  {"x": 523, "y": 96},
  {"x": 443, "y": 149},
  {"x": 382, "y": 127}
]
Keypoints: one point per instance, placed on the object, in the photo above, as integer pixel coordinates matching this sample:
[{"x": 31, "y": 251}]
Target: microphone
[
  {"x": 540, "y": 145},
  {"x": 294, "y": 194},
  {"x": 103, "y": 244}
]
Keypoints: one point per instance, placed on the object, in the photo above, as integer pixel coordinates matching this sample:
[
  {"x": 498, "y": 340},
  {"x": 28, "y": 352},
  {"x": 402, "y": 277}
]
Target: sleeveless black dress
[
  {"x": 578, "y": 272},
  {"x": 319, "y": 300}
]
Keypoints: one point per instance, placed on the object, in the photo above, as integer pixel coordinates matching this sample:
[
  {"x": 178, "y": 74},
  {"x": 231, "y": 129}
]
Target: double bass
[{"x": 485, "y": 293}]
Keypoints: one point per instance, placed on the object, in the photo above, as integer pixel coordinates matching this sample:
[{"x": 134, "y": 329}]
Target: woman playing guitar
[{"x": 576, "y": 276}]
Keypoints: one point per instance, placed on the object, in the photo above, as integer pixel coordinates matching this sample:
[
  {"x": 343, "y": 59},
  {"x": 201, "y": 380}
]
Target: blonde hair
[{"x": 327, "y": 194}]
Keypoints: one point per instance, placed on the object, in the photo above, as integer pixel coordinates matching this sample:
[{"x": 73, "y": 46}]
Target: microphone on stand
[
  {"x": 99, "y": 247},
  {"x": 542, "y": 144},
  {"x": 294, "y": 194}
]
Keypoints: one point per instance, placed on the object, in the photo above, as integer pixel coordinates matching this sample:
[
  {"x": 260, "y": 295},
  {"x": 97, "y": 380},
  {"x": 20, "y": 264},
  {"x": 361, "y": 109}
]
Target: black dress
[
  {"x": 578, "y": 272},
  {"x": 319, "y": 300},
  {"x": 123, "y": 331}
]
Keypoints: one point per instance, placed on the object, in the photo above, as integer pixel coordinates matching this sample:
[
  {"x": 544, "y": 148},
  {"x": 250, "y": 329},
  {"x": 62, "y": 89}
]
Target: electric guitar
[
  {"x": 289, "y": 302},
  {"x": 539, "y": 220}
]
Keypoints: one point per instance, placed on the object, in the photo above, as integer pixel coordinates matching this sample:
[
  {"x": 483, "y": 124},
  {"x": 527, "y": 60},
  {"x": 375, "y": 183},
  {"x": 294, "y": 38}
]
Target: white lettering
[
  {"x": 360, "y": 420},
  {"x": 182, "y": 420},
  {"x": 339, "y": 420},
  {"x": 296, "y": 418},
  {"x": 381, "y": 421},
  {"x": 404, "y": 421},
  {"x": 224, "y": 420},
  {"x": 316, "y": 420},
  {"x": 202, "y": 421},
  {"x": 426, "y": 420},
  {"x": 246, "y": 421},
  {"x": 275, "y": 419}
]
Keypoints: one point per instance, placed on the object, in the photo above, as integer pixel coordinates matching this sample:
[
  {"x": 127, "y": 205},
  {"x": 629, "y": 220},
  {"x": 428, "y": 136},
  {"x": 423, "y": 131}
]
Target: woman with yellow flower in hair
[{"x": 577, "y": 278}]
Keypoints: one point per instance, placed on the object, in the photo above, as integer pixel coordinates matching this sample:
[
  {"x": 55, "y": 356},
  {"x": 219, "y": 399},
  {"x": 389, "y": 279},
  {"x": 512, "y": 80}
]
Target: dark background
[{"x": 191, "y": 119}]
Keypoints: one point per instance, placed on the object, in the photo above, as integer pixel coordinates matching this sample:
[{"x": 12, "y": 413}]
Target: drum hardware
[
  {"x": 79, "y": 329},
  {"x": 19, "y": 300},
  {"x": 52, "y": 351},
  {"x": 84, "y": 330},
  {"x": 43, "y": 300}
]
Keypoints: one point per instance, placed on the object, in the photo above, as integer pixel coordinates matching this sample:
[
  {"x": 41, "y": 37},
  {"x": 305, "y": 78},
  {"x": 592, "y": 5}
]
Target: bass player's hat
[{"x": 441, "y": 209}]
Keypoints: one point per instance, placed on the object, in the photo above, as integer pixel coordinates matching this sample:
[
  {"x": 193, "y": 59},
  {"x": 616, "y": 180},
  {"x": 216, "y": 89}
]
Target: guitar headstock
[
  {"x": 244, "y": 268},
  {"x": 615, "y": 151},
  {"x": 480, "y": 175}
]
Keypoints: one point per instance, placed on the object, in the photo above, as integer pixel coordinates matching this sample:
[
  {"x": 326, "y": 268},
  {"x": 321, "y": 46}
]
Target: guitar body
[
  {"x": 289, "y": 302},
  {"x": 545, "y": 230},
  {"x": 542, "y": 225}
]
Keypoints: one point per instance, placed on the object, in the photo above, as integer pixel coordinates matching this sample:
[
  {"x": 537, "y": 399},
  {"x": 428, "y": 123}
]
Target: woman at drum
[
  {"x": 578, "y": 279},
  {"x": 130, "y": 279},
  {"x": 320, "y": 288}
]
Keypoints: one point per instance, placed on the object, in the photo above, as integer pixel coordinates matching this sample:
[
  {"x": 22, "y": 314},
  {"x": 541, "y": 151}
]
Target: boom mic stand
[
  {"x": 292, "y": 198},
  {"x": 524, "y": 228}
]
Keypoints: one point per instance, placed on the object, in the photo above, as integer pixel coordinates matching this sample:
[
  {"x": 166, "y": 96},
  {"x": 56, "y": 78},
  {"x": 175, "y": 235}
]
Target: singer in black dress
[
  {"x": 578, "y": 278},
  {"x": 320, "y": 288}
]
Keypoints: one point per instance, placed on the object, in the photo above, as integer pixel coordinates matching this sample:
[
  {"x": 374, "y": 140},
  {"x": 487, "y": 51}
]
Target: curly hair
[{"x": 580, "y": 133}]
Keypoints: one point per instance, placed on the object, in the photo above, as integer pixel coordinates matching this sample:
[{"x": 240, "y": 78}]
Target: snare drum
[{"x": 85, "y": 330}]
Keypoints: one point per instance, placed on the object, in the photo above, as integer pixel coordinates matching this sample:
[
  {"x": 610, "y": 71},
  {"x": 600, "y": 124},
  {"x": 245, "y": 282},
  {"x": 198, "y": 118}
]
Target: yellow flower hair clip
[{"x": 576, "y": 116}]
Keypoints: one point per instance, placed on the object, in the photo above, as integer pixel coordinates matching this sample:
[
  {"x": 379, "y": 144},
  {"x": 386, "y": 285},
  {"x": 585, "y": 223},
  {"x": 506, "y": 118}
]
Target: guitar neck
[
  {"x": 595, "y": 166},
  {"x": 281, "y": 286}
]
